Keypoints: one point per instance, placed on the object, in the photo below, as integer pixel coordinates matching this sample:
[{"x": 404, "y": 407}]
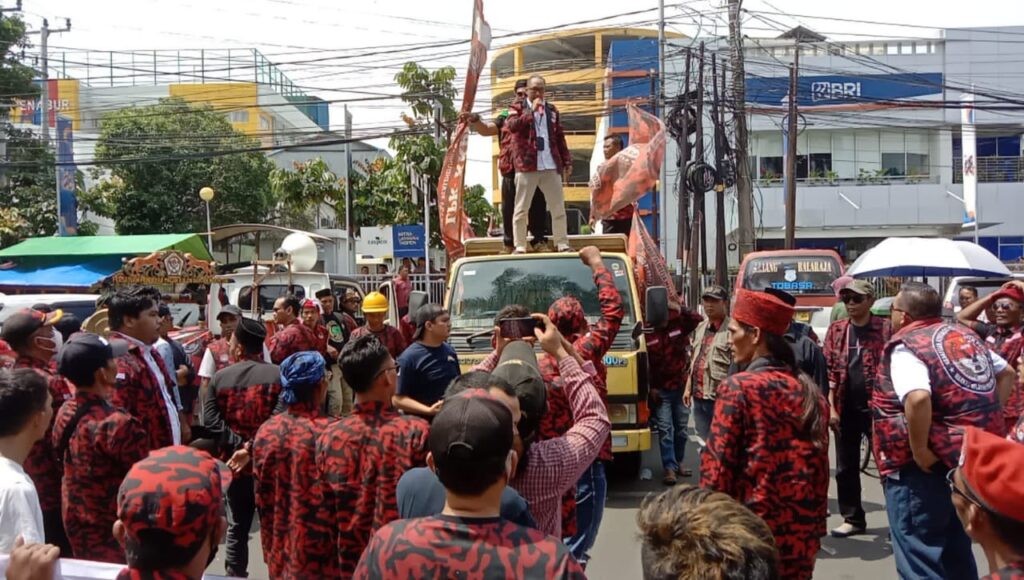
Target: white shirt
[
  {"x": 20, "y": 514},
  {"x": 172, "y": 408},
  {"x": 545, "y": 160},
  {"x": 208, "y": 367},
  {"x": 909, "y": 373}
]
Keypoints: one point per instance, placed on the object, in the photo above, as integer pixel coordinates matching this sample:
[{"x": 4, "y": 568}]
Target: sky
[{"x": 359, "y": 46}]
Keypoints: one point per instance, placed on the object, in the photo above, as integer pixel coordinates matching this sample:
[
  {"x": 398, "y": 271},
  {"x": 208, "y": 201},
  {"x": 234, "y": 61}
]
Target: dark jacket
[{"x": 524, "y": 137}]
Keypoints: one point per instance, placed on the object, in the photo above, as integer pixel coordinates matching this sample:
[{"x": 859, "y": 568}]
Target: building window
[
  {"x": 894, "y": 164},
  {"x": 266, "y": 123},
  {"x": 771, "y": 167},
  {"x": 917, "y": 164},
  {"x": 238, "y": 116},
  {"x": 504, "y": 65}
]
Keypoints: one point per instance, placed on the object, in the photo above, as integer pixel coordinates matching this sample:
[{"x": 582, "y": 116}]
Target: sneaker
[
  {"x": 519, "y": 250},
  {"x": 685, "y": 472},
  {"x": 845, "y": 530},
  {"x": 670, "y": 477},
  {"x": 565, "y": 248}
]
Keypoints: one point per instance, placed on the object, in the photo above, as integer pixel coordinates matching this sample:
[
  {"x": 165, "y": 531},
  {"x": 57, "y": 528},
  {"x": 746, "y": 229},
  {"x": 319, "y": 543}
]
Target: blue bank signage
[
  {"x": 408, "y": 241},
  {"x": 845, "y": 89}
]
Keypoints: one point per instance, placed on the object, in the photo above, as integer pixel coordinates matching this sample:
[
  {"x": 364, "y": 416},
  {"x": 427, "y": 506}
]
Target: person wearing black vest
[
  {"x": 339, "y": 395},
  {"x": 936, "y": 379}
]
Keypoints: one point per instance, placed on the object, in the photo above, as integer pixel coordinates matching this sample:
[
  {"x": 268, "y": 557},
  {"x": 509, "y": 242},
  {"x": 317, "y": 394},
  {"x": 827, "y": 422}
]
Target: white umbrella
[{"x": 910, "y": 257}]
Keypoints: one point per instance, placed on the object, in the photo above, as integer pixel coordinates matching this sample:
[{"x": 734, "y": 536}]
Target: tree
[
  {"x": 15, "y": 77},
  {"x": 304, "y": 188},
  {"x": 158, "y": 158}
]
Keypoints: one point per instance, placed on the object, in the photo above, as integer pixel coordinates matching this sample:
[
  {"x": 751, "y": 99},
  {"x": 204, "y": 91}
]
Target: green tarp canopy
[{"x": 77, "y": 248}]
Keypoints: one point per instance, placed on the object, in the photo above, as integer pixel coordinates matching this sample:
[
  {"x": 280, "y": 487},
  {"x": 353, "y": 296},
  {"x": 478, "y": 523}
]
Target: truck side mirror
[
  {"x": 656, "y": 306},
  {"x": 417, "y": 300}
]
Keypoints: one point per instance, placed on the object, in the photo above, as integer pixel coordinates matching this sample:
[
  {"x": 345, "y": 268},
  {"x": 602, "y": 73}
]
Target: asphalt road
[{"x": 616, "y": 556}]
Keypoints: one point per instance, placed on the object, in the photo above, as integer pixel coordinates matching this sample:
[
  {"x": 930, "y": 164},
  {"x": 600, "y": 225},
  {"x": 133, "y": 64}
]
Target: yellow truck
[{"x": 485, "y": 281}]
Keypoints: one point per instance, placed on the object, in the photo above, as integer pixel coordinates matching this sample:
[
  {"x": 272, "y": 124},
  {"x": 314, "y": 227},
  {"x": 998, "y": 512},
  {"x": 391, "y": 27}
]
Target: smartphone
[{"x": 517, "y": 328}]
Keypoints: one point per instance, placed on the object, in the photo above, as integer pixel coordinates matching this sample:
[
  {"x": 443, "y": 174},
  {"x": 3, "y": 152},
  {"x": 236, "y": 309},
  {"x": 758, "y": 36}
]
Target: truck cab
[{"x": 485, "y": 281}]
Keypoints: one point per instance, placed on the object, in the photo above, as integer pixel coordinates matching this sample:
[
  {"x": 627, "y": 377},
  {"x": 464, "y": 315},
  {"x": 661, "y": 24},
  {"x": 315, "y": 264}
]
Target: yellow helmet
[{"x": 375, "y": 302}]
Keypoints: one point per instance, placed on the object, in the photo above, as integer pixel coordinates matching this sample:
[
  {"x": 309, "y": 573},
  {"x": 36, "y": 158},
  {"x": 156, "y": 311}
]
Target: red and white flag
[
  {"x": 648, "y": 262},
  {"x": 455, "y": 226},
  {"x": 632, "y": 172}
]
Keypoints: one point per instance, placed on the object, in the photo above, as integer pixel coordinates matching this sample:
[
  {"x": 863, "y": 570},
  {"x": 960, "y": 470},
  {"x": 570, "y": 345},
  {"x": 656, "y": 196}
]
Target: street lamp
[{"x": 206, "y": 194}]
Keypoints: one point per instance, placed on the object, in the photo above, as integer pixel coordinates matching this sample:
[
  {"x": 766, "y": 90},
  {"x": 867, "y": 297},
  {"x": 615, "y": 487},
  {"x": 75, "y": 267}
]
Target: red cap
[
  {"x": 312, "y": 304},
  {"x": 1013, "y": 293},
  {"x": 991, "y": 467},
  {"x": 762, "y": 310}
]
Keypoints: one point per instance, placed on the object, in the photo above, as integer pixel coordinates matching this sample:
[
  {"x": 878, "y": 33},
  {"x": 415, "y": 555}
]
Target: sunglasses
[
  {"x": 853, "y": 298},
  {"x": 1003, "y": 305}
]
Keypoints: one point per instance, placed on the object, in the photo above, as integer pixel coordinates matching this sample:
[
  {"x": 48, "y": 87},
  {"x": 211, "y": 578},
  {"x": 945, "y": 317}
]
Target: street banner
[
  {"x": 455, "y": 226},
  {"x": 970, "y": 160},
  {"x": 648, "y": 262},
  {"x": 67, "y": 203},
  {"x": 632, "y": 172},
  {"x": 408, "y": 241}
]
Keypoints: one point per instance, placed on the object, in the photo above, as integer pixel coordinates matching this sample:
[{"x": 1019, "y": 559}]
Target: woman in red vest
[{"x": 768, "y": 445}]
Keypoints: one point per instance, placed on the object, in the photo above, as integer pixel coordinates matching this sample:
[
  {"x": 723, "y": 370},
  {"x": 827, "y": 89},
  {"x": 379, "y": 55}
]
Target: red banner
[
  {"x": 632, "y": 172},
  {"x": 455, "y": 225},
  {"x": 648, "y": 262}
]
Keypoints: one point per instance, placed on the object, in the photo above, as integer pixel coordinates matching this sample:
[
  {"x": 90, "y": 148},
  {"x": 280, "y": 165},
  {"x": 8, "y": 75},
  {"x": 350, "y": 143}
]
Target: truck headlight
[{"x": 622, "y": 413}]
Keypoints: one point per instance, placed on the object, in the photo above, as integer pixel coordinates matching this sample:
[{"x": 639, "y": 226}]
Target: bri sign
[{"x": 846, "y": 89}]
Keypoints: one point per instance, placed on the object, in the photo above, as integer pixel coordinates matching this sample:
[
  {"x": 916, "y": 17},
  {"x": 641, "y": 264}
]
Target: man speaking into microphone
[{"x": 542, "y": 160}]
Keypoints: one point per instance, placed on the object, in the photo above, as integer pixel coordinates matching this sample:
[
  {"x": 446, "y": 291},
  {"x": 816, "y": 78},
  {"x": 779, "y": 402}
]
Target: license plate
[
  {"x": 802, "y": 316},
  {"x": 619, "y": 441}
]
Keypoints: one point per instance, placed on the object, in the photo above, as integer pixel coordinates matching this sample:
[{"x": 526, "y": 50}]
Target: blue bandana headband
[{"x": 301, "y": 369}]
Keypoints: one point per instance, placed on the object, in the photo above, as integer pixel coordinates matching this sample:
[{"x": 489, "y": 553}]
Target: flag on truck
[
  {"x": 632, "y": 172},
  {"x": 648, "y": 262},
  {"x": 455, "y": 225}
]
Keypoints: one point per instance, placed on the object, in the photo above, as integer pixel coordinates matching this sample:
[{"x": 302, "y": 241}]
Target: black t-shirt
[
  {"x": 856, "y": 392},
  {"x": 337, "y": 331},
  {"x": 421, "y": 494}
]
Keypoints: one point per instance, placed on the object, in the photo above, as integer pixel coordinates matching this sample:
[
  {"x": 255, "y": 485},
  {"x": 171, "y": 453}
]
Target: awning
[
  {"x": 48, "y": 249},
  {"x": 80, "y": 275},
  {"x": 224, "y": 232}
]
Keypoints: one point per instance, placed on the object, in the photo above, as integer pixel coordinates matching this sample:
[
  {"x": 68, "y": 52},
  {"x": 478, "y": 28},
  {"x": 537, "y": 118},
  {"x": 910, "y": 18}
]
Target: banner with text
[
  {"x": 632, "y": 172},
  {"x": 648, "y": 262},
  {"x": 970, "y": 161},
  {"x": 408, "y": 241},
  {"x": 455, "y": 226},
  {"x": 68, "y": 208}
]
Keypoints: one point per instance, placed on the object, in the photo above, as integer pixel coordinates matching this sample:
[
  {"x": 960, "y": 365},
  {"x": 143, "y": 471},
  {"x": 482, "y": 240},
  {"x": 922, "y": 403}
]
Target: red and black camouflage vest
[
  {"x": 963, "y": 383},
  {"x": 221, "y": 352}
]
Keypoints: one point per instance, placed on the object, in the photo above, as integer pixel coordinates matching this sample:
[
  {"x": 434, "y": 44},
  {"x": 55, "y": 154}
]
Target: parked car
[
  {"x": 985, "y": 286},
  {"x": 81, "y": 305}
]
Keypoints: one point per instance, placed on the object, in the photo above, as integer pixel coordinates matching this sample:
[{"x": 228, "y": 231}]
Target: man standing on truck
[
  {"x": 542, "y": 159},
  {"x": 537, "y": 217},
  {"x": 853, "y": 351},
  {"x": 1004, "y": 334},
  {"x": 620, "y": 222},
  {"x": 375, "y": 308}
]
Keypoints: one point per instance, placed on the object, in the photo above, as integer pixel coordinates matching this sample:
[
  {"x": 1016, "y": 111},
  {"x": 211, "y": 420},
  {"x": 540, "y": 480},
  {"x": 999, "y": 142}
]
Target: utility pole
[
  {"x": 659, "y": 110},
  {"x": 350, "y": 246},
  {"x": 700, "y": 205},
  {"x": 744, "y": 186},
  {"x": 44, "y": 37},
  {"x": 721, "y": 144},
  {"x": 791, "y": 138}
]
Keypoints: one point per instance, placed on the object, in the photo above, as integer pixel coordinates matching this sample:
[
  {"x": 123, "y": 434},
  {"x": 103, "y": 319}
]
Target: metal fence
[{"x": 435, "y": 289}]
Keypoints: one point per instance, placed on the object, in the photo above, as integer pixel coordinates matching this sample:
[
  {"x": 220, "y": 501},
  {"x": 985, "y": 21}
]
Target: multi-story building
[
  {"x": 573, "y": 64},
  {"x": 878, "y": 151}
]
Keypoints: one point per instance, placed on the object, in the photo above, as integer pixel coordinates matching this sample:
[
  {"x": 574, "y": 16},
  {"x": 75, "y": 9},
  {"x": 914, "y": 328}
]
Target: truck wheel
[{"x": 626, "y": 466}]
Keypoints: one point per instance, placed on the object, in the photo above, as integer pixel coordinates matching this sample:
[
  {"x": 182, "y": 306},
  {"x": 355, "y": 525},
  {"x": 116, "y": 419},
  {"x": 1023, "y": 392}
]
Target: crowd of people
[{"x": 365, "y": 451}]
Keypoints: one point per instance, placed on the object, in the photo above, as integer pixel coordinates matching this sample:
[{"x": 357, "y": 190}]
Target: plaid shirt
[
  {"x": 555, "y": 465},
  {"x": 41, "y": 465}
]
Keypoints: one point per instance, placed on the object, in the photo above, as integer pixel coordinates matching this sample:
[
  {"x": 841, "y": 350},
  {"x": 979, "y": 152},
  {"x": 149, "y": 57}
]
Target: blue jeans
[
  {"x": 927, "y": 537},
  {"x": 591, "y": 492},
  {"x": 703, "y": 412},
  {"x": 671, "y": 417}
]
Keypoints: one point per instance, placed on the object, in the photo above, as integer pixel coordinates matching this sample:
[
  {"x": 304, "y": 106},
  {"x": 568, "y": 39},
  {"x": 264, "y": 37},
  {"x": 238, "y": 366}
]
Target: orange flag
[
  {"x": 632, "y": 172},
  {"x": 455, "y": 226},
  {"x": 648, "y": 262}
]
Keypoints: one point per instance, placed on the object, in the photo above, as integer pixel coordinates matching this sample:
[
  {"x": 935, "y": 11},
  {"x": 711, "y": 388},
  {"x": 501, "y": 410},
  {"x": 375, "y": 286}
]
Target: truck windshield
[
  {"x": 807, "y": 275},
  {"x": 482, "y": 289},
  {"x": 268, "y": 295}
]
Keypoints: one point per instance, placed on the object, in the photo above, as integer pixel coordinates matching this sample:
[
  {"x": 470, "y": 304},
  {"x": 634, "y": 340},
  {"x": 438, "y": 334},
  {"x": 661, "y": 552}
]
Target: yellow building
[{"x": 573, "y": 65}]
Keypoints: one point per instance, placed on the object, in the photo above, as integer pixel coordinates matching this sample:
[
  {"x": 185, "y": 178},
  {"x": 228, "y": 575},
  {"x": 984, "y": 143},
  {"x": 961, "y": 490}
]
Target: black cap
[
  {"x": 87, "y": 352},
  {"x": 472, "y": 428},
  {"x": 253, "y": 328},
  {"x": 323, "y": 293},
  {"x": 782, "y": 295},
  {"x": 521, "y": 84},
  {"x": 426, "y": 313},
  {"x": 715, "y": 292},
  {"x": 163, "y": 310},
  {"x": 518, "y": 366},
  {"x": 230, "y": 309},
  {"x": 20, "y": 325}
]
